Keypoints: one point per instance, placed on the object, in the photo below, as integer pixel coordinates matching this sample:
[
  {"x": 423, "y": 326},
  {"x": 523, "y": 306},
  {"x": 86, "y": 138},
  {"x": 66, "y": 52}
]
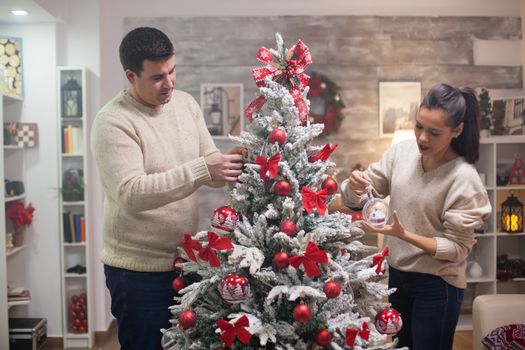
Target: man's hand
[{"x": 224, "y": 167}]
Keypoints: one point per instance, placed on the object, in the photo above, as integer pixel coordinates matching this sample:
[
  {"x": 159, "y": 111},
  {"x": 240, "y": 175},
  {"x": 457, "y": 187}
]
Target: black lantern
[
  {"x": 512, "y": 215},
  {"x": 71, "y": 99}
]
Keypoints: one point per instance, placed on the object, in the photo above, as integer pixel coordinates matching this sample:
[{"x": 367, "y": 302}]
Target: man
[{"x": 153, "y": 152}]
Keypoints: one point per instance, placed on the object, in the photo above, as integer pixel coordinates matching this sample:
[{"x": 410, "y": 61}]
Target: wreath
[{"x": 325, "y": 103}]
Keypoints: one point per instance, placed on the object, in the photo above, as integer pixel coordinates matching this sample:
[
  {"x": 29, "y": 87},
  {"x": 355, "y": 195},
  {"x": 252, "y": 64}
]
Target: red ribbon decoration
[
  {"x": 237, "y": 330},
  {"x": 312, "y": 199},
  {"x": 378, "y": 260},
  {"x": 351, "y": 334},
  {"x": 188, "y": 244},
  {"x": 269, "y": 167},
  {"x": 309, "y": 260},
  {"x": 323, "y": 154},
  {"x": 287, "y": 71},
  {"x": 215, "y": 242}
]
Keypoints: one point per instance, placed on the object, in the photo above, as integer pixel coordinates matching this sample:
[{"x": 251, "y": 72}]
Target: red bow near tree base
[
  {"x": 309, "y": 260},
  {"x": 352, "y": 333},
  {"x": 237, "y": 330},
  {"x": 215, "y": 242},
  {"x": 312, "y": 199}
]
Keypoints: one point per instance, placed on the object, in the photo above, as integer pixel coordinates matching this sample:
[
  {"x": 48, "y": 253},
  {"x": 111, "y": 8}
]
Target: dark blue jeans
[
  {"x": 140, "y": 302},
  {"x": 429, "y": 307}
]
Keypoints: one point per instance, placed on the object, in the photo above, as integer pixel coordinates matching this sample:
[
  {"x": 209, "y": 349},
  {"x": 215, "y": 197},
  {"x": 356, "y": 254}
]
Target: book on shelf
[
  {"x": 18, "y": 294},
  {"x": 74, "y": 227},
  {"x": 72, "y": 140}
]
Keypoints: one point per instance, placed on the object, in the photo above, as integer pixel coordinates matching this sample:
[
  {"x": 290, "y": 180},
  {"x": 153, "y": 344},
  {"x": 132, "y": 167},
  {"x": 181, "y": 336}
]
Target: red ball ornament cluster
[
  {"x": 332, "y": 289},
  {"x": 79, "y": 323},
  {"x": 178, "y": 284},
  {"x": 388, "y": 321},
  {"x": 187, "y": 319},
  {"x": 288, "y": 227},
  {"x": 277, "y": 135},
  {"x": 330, "y": 185},
  {"x": 225, "y": 219},
  {"x": 323, "y": 338},
  {"x": 234, "y": 288},
  {"x": 282, "y": 188},
  {"x": 302, "y": 313}
]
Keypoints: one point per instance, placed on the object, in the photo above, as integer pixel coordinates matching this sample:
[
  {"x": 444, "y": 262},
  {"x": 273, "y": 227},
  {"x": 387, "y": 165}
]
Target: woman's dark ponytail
[{"x": 461, "y": 105}]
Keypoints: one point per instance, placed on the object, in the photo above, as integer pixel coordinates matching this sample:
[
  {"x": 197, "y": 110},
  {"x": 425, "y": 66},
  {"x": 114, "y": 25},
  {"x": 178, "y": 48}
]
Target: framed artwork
[
  {"x": 20, "y": 134},
  {"x": 11, "y": 66},
  {"x": 398, "y": 105},
  {"x": 221, "y": 106},
  {"x": 508, "y": 115}
]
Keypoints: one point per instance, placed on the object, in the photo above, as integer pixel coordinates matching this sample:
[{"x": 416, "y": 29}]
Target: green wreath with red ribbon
[{"x": 325, "y": 103}]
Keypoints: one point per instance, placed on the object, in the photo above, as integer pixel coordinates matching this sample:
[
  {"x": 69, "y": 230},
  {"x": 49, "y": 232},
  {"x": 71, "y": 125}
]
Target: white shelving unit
[
  {"x": 74, "y": 235},
  {"x": 12, "y": 261},
  {"x": 495, "y": 152}
]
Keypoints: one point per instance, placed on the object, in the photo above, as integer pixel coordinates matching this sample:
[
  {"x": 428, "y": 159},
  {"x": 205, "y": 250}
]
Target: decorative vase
[
  {"x": 475, "y": 270},
  {"x": 484, "y": 133},
  {"x": 18, "y": 236}
]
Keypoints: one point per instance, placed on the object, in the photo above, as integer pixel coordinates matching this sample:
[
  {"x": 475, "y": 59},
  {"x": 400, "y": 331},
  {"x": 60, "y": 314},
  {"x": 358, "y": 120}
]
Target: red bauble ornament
[
  {"x": 277, "y": 135},
  {"x": 332, "y": 289},
  {"x": 178, "y": 284},
  {"x": 388, "y": 321},
  {"x": 282, "y": 188},
  {"x": 187, "y": 319},
  {"x": 330, "y": 185},
  {"x": 234, "y": 288},
  {"x": 225, "y": 218},
  {"x": 74, "y": 298},
  {"x": 281, "y": 260},
  {"x": 77, "y": 322},
  {"x": 176, "y": 263},
  {"x": 323, "y": 338},
  {"x": 358, "y": 215},
  {"x": 82, "y": 329},
  {"x": 288, "y": 227},
  {"x": 302, "y": 313}
]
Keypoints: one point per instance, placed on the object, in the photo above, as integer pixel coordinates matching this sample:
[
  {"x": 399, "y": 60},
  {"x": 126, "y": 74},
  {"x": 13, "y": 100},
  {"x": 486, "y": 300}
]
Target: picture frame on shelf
[
  {"x": 398, "y": 105},
  {"x": 508, "y": 115},
  {"x": 20, "y": 134},
  {"x": 11, "y": 67},
  {"x": 221, "y": 106}
]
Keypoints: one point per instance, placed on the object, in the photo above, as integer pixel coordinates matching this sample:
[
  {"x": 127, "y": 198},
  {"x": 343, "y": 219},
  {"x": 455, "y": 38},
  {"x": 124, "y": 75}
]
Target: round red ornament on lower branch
[
  {"x": 388, "y": 321},
  {"x": 330, "y": 185},
  {"x": 282, "y": 188},
  {"x": 288, "y": 227},
  {"x": 302, "y": 313},
  {"x": 323, "y": 338},
  {"x": 178, "y": 284},
  {"x": 332, "y": 289},
  {"x": 176, "y": 263},
  {"x": 225, "y": 218},
  {"x": 281, "y": 260},
  {"x": 235, "y": 288},
  {"x": 187, "y": 319}
]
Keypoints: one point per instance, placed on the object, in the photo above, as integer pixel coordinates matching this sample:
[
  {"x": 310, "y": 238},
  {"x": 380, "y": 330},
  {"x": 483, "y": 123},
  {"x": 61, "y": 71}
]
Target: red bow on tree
[
  {"x": 188, "y": 244},
  {"x": 323, "y": 154},
  {"x": 269, "y": 167},
  {"x": 378, "y": 260},
  {"x": 231, "y": 331},
  {"x": 312, "y": 199},
  {"x": 214, "y": 242},
  {"x": 351, "y": 334},
  {"x": 309, "y": 260},
  {"x": 287, "y": 71}
]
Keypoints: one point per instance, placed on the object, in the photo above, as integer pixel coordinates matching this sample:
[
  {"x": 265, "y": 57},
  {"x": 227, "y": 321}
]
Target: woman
[{"x": 437, "y": 200}]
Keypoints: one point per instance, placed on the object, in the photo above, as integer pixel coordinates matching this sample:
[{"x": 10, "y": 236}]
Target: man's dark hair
[{"x": 141, "y": 44}]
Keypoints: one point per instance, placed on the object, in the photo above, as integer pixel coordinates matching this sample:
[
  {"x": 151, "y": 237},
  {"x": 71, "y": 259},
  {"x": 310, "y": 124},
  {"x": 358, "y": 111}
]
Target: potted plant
[
  {"x": 485, "y": 105},
  {"x": 21, "y": 216},
  {"x": 73, "y": 185}
]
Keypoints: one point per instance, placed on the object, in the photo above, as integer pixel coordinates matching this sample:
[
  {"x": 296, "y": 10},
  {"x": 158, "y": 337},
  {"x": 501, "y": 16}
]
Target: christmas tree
[{"x": 278, "y": 271}]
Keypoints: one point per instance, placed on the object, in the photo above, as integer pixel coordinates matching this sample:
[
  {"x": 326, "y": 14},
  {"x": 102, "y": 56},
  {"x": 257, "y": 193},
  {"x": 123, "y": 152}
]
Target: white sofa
[{"x": 495, "y": 310}]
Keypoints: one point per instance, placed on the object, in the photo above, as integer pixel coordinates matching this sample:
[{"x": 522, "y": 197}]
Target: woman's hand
[
  {"x": 395, "y": 230},
  {"x": 359, "y": 182}
]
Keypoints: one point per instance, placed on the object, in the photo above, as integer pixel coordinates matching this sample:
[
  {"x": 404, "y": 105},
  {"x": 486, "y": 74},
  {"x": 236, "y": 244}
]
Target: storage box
[{"x": 27, "y": 333}]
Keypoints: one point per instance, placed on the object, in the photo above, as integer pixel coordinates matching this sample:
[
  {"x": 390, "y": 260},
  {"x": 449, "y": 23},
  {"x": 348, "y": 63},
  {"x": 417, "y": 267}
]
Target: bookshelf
[
  {"x": 496, "y": 152},
  {"x": 77, "y": 303}
]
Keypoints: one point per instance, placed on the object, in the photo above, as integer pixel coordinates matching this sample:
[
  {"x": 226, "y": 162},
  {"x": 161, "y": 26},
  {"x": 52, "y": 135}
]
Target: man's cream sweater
[
  {"x": 447, "y": 203},
  {"x": 151, "y": 163}
]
